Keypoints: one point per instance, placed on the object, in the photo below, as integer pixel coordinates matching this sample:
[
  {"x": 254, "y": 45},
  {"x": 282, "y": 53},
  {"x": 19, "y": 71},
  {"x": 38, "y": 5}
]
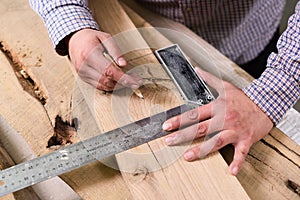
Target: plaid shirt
[
  {"x": 278, "y": 88},
  {"x": 240, "y": 29}
]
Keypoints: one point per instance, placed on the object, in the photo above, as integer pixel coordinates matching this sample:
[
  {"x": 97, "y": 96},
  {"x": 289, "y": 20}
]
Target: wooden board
[
  {"x": 26, "y": 193},
  {"x": 274, "y": 160},
  {"x": 150, "y": 175},
  {"x": 35, "y": 55},
  {"x": 25, "y": 35}
]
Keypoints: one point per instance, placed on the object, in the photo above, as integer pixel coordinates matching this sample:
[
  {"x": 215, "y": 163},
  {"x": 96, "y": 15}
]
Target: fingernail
[
  {"x": 166, "y": 126},
  {"x": 169, "y": 140},
  {"x": 189, "y": 155},
  {"x": 234, "y": 171},
  {"x": 121, "y": 61}
]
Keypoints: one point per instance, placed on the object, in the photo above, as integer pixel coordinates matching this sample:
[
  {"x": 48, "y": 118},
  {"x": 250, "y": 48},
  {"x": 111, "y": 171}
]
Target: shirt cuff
[
  {"x": 65, "y": 20},
  {"x": 275, "y": 92}
]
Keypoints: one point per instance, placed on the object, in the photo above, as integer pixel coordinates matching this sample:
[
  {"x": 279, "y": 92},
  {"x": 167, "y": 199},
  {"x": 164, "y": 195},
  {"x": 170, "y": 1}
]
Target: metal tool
[
  {"x": 109, "y": 143},
  {"x": 190, "y": 85}
]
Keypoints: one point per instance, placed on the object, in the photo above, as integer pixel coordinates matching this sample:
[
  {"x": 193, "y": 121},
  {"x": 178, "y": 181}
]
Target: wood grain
[
  {"x": 272, "y": 161},
  {"x": 25, "y": 194},
  {"x": 24, "y": 34},
  {"x": 146, "y": 169}
]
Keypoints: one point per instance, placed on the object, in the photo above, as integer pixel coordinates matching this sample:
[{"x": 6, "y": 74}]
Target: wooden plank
[
  {"x": 274, "y": 160},
  {"x": 24, "y": 34},
  {"x": 27, "y": 193},
  {"x": 145, "y": 170}
]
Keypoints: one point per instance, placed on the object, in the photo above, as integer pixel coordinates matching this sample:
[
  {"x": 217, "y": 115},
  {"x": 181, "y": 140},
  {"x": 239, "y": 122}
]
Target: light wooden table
[{"x": 263, "y": 176}]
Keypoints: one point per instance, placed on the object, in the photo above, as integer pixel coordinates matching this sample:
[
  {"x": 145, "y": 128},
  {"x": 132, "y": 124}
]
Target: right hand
[{"x": 86, "y": 49}]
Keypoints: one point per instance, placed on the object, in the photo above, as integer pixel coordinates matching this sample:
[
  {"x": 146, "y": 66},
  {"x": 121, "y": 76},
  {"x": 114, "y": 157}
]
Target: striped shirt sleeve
[
  {"x": 278, "y": 88},
  {"x": 63, "y": 17}
]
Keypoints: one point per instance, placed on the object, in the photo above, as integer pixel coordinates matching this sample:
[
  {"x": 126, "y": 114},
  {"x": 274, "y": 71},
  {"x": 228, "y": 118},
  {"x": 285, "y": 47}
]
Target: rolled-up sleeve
[
  {"x": 278, "y": 88},
  {"x": 62, "y": 18}
]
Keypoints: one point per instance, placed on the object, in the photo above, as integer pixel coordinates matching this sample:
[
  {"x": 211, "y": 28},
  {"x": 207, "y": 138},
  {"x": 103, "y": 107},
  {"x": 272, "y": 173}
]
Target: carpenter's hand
[
  {"x": 237, "y": 119},
  {"x": 86, "y": 49}
]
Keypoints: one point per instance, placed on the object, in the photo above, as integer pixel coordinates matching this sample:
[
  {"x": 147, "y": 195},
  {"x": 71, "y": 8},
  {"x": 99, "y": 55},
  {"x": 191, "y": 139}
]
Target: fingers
[
  {"x": 190, "y": 117},
  {"x": 240, "y": 152},
  {"x": 98, "y": 67},
  {"x": 118, "y": 76},
  {"x": 210, "y": 79},
  {"x": 214, "y": 144},
  {"x": 188, "y": 134},
  {"x": 211, "y": 145},
  {"x": 104, "y": 87},
  {"x": 110, "y": 44}
]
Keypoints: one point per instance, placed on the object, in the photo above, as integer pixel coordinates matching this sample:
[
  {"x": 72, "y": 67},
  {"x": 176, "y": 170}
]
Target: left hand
[
  {"x": 238, "y": 120},
  {"x": 86, "y": 49}
]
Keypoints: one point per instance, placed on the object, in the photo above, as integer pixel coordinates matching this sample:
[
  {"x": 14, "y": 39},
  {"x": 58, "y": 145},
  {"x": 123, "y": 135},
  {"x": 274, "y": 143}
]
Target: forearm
[
  {"x": 63, "y": 18},
  {"x": 276, "y": 91}
]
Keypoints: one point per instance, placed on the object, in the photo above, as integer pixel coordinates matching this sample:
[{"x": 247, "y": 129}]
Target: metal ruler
[
  {"x": 84, "y": 152},
  {"x": 103, "y": 145}
]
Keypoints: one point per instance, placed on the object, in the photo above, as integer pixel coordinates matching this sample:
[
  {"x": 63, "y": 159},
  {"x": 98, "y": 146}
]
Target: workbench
[{"x": 37, "y": 87}]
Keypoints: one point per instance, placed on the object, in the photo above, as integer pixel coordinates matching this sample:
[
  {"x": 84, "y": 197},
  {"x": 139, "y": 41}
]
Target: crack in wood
[
  {"x": 64, "y": 132},
  {"x": 279, "y": 152},
  {"x": 280, "y": 142},
  {"x": 261, "y": 161},
  {"x": 293, "y": 186},
  {"x": 28, "y": 82}
]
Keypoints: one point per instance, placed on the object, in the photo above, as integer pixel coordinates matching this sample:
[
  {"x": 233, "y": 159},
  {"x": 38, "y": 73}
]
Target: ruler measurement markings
[{"x": 81, "y": 153}]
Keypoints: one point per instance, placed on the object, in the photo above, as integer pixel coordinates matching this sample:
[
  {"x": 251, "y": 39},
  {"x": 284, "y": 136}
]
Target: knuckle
[
  {"x": 104, "y": 88},
  {"x": 192, "y": 114},
  {"x": 108, "y": 71},
  {"x": 201, "y": 129},
  {"x": 232, "y": 115},
  {"x": 107, "y": 83},
  {"x": 84, "y": 56},
  {"x": 219, "y": 142},
  {"x": 105, "y": 36},
  {"x": 244, "y": 149}
]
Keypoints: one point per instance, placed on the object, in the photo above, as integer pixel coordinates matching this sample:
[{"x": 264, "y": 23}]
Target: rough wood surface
[
  {"x": 274, "y": 160},
  {"x": 19, "y": 151},
  {"x": 23, "y": 33}
]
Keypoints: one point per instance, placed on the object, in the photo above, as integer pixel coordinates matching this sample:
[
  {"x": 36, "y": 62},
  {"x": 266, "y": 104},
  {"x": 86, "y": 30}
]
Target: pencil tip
[{"x": 139, "y": 94}]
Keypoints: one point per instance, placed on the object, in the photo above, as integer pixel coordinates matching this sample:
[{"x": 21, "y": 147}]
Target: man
[{"x": 239, "y": 29}]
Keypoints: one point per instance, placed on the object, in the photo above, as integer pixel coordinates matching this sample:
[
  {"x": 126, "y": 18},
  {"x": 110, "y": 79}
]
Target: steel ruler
[
  {"x": 115, "y": 141},
  {"x": 84, "y": 152}
]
